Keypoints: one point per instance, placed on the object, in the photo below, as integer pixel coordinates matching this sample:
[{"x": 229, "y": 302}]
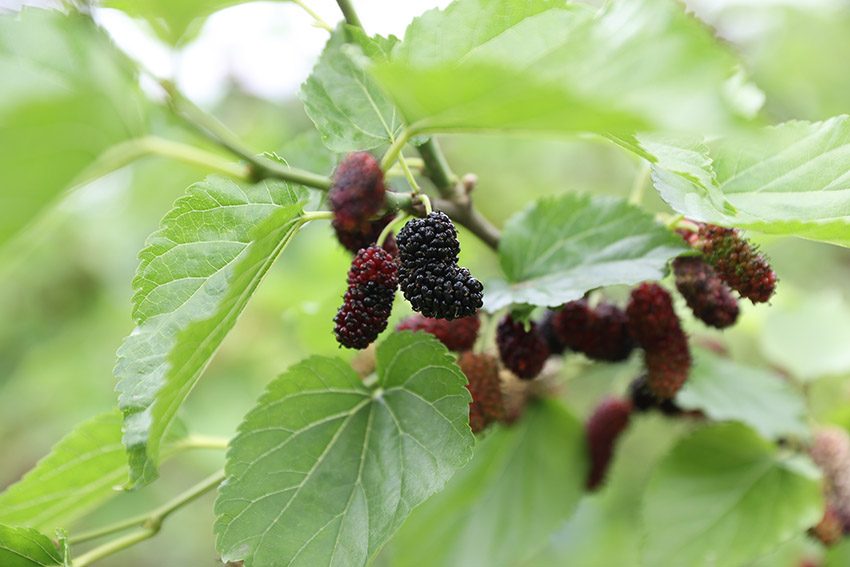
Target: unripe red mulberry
[
  {"x": 366, "y": 235},
  {"x": 357, "y": 193},
  {"x": 523, "y": 352},
  {"x": 488, "y": 404},
  {"x": 830, "y": 530},
  {"x": 604, "y": 427},
  {"x": 368, "y": 301},
  {"x": 644, "y": 399},
  {"x": 655, "y": 326},
  {"x": 457, "y": 335},
  {"x": 600, "y": 333},
  {"x": 737, "y": 262},
  {"x": 707, "y": 295}
]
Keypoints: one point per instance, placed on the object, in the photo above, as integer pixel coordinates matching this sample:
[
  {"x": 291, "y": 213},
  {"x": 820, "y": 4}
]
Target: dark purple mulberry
[
  {"x": 604, "y": 427},
  {"x": 707, "y": 295},
  {"x": 429, "y": 275},
  {"x": 457, "y": 335},
  {"x": 523, "y": 352},
  {"x": 368, "y": 301},
  {"x": 601, "y": 333},
  {"x": 358, "y": 192},
  {"x": 547, "y": 329},
  {"x": 656, "y": 328}
]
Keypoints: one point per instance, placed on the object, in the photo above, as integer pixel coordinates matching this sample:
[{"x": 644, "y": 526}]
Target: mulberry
[
  {"x": 604, "y": 427},
  {"x": 428, "y": 272},
  {"x": 488, "y": 404},
  {"x": 601, "y": 333},
  {"x": 829, "y": 530},
  {"x": 547, "y": 329},
  {"x": 737, "y": 262},
  {"x": 523, "y": 352},
  {"x": 457, "y": 335},
  {"x": 644, "y": 399},
  {"x": 365, "y": 235},
  {"x": 368, "y": 301},
  {"x": 357, "y": 193},
  {"x": 707, "y": 295},
  {"x": 655, "y": 326}
]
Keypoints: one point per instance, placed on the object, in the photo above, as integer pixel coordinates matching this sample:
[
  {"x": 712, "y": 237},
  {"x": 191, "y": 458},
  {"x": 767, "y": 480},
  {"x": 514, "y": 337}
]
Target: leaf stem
[
  {"x": 408, "y": 174},
  {"x": 349, "y": 13},
  {"x": 317, "y": 20},
  {"x": 125, "y": 153},
  {"x": 260, "y": 167},
  {"x": 150, "y": 523},
  {"x": 639, "y": 185},
  {"x": 202, "y": 442},
  {"x": 316, "y": 215},
  {"x": 394, "y": 150}
]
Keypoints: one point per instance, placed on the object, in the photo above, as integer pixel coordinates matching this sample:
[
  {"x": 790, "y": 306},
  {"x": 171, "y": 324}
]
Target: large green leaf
[
  {"x": 560, "y": 247},
  {"x": 79, "y": 473},
  {"x": 25, "y": 547},
  {"x": 522, "y": 484},
  {"x": 67, "y": 96},
  {"x": 789, "y": 179},
  {"x": 324, "y": 470},
  {"x": 349, "y": 109},
  {"x": 196, "y": 275},
  {"x": 172, "y": 19},
  {"x": 726, "y": 390},
  {"x": 723, "y": 497},
  {"x": 546, "y": 66}
]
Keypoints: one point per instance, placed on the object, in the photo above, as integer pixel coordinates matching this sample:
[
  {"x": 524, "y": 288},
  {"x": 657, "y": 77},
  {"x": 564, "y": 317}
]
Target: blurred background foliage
[{"x": 65, "y": 294}]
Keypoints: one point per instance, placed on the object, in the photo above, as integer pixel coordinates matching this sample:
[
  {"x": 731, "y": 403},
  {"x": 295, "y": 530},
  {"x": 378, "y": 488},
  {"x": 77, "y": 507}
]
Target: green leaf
[
  {"x": 726, "y": 390},
  {"x": 523, "y": 483},
  {"x": 324, "y": 470},
  {"x": 348, "y": 108},
  {"x": 79, "y": 473},
  {"x": 67, "y": 96},
  {"x": 808, "y": 336},
  {"x": 723, "y": 497},
  {"x": 560, "y": 247},
  {"x": 545, "y": 66},
  {"x": 25, "y": 547},
  {"x": 196, "y": 275},
  {"x": 791, "y": 179},
  {"x": 170, "y": 19}
]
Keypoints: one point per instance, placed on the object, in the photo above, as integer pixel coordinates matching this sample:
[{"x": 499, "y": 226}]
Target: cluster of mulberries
[
  {"x": 655, "y": 326},
  {"x": 524, "y": 352},
  {"x": 488, "y": 404},
  {"x": 601, "y": 333},
  {"x": 368, "y": 301},
  {"x": 458, "y": 335},
  {"x": 736, "y": 261},
  {"x": 357, "y": 193},
  {"x": 429, "y": 276},
  {"x": 707, "y": 295},
  {"x": 602, "y": 430},
  {"x": 830, "y": 450}
]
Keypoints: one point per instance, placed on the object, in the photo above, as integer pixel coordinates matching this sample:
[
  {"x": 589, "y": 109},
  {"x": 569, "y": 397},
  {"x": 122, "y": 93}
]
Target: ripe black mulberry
[{"x": 523, "y": 352}]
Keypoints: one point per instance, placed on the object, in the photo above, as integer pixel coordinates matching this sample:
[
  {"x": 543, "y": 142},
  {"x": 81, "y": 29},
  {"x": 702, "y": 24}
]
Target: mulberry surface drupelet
[
  {"x": 368, "y": 301},
  {"x": 606, "y": 424},
  {"x": 357, "y": 193},
  {"x": 429, "y": 276},
  {"x": 523, "y": 352},
  {"x": 707, "y": 295},
  {"x": 656, "y": 328},
  {"x": 488, "y": 404},
  {"x": 457, "y": 335}
]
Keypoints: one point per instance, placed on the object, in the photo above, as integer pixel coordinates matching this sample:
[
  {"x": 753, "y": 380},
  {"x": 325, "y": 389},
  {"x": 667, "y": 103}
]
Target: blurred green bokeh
[{"x": 65, "y": 296}]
